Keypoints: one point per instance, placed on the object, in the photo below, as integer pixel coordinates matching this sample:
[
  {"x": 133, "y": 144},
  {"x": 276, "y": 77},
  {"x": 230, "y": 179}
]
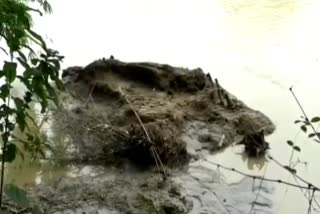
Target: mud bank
[{"x": 136, "y": 120}]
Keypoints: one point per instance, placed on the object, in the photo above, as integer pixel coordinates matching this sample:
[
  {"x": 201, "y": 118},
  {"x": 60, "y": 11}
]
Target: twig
[
  {"x": 154, "y": 151},
  {"x": 317, "y": 203},
  {"x": 310, "y": 185},
  {"x": 259, "y": 177},
  {"x": 5, "y": 141},
  {"x": 310, "y": 202},
  {"x": 90, "y": 93},
  {"x": 304, "y": 193}
]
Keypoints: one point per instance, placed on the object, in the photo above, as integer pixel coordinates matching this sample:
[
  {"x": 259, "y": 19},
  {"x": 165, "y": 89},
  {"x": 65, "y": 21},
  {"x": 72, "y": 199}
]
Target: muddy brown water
[{"x": 257, "y": 49}]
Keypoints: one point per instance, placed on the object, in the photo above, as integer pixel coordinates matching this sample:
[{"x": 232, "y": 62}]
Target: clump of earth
[{"x": 141, "y": 125}]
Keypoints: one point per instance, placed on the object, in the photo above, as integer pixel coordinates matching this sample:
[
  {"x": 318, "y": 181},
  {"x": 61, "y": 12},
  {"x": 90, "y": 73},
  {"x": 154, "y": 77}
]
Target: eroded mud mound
[{"x": 129, "y": 110}]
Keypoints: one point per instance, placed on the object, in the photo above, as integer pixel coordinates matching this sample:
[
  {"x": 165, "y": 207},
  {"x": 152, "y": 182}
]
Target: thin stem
[
  {"x": 6, "y": 132},
  {"x": 260, "y": 177},
  {"x": 310, "y": 202},
  {"x": 154, "y": 151},
  {"x": 310, "y": 185},
  {"x": 2, "y": 171}
]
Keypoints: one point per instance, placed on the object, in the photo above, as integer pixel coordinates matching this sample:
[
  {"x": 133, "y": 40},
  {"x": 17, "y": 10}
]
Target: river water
[{"x": 257, "y": 49}]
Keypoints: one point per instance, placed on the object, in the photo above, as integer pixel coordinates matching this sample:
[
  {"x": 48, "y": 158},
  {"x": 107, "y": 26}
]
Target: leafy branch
[
  {"x": 36, "y": 72},
  {"x": 305, "y": 121}
]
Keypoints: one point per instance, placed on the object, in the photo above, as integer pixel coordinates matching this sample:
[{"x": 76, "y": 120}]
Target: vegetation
[{"x": 30, "y": 61}]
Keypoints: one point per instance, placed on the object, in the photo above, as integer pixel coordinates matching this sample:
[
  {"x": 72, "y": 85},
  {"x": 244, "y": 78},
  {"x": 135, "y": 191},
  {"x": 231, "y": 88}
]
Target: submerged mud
[{"x": 144, "y": 124}]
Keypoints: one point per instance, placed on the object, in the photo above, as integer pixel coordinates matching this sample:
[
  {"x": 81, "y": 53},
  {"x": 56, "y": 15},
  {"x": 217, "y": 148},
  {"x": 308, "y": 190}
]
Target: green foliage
[
  {"x": 304, "y": 128},
  {"x": 10, "y": 71},
  {"x": 10, "y": 152},
  {"x": 309, "y": 123},
  {"x": 34, "y": 71},
  {"x": 315, "y": 120},
  {"x": 297, "y": 148},
  {"x": 290, "y": 143},
  {"x": 314, "y": 134}
]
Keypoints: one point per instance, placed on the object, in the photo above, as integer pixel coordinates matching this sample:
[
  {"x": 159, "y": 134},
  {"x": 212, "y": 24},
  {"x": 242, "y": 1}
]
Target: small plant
[{"x": 305, "y": 123}]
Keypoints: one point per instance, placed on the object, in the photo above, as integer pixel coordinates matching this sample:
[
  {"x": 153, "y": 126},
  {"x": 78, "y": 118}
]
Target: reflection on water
[
  {"x": 254, "y": 163},
  {"x": 28, "y": 171}
]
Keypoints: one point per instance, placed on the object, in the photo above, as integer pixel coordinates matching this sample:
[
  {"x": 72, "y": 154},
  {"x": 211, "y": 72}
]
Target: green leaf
[
  {"x": 38, "y": 38},
  {"x": 315, "y": 119},
  {"x": 314, "y": 134},
  {"x": 4, "y": 92},
  {"x": 2, "y": 73},
  {"x": 304, "y": 128},
  {"x": 6, "y": 110},
  {"x": 23, "y": 60},
  {"x": 23, "y": 57},
  {"x": 28, "y": 97},
  {"x": 21, "y": 120},
  {"x": 34, "y": 61},
  {"x": 23, "y": 63},
  {"x": 31, "y": 54},
  {"x": 47, "y": 7},
  {"x": 291, "y": 170},
  {"x": 311, "y": 135},
  {"x": 10, "y": 152},
  {"x": 13, "y": 43},
  {"x": 18, "y": 102},
  {"x": 17, "y": 195},
  {"x": 290, "y": 143},
  {"x": 297, "y": 121},
  {"x": 10, "y": 70},
  {"x": 297, "y": 148},
  {"x": 42, "y": 94},
  {"x": 4, "y": 50},
  {"x": 59, "y": 84},
  {"x": 5, "y": 137}
]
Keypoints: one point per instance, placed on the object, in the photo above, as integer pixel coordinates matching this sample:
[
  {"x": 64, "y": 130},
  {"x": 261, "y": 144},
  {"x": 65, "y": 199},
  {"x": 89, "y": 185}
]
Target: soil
[{"x": 149, "y": 118}]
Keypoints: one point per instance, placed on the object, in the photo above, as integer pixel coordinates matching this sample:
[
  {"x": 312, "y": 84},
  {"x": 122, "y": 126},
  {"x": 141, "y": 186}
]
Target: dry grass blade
[
  {"x": 90, "y": 93},
  {"x": 154, "y": 151}
]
